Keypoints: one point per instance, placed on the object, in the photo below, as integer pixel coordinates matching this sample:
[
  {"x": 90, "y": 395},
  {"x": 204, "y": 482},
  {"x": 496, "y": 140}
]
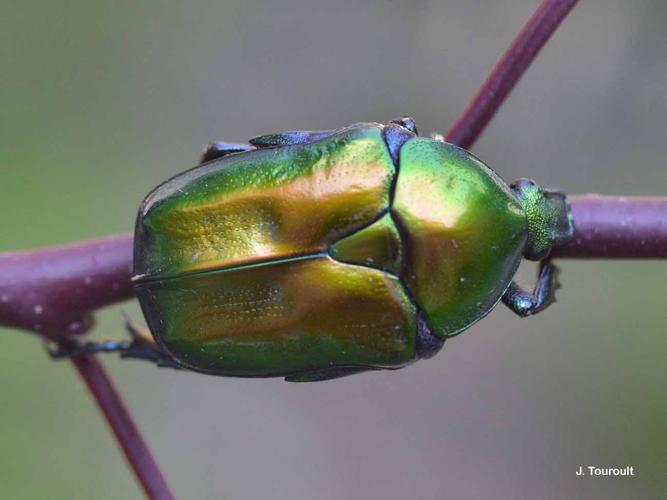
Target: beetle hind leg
[
  {"x": 144, "y": 347},
  {"x": 140, "y": 346},
  {"x": 525, "y": 303}
]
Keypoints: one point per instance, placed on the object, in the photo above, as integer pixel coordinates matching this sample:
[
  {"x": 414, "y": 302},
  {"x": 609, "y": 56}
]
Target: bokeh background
[{"x": 100, "y": 101}]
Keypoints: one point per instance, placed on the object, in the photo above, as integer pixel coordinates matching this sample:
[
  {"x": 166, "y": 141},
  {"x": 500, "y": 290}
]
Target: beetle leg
[
  {"x": 524, "y": 303},
  {"x": 140, "y": 346},
  {"x": 71, "y": 349},
  {"x": 144, "y": 347},
  {"x": 290, "y": 138},
  {"x": 215, "y": 150}
]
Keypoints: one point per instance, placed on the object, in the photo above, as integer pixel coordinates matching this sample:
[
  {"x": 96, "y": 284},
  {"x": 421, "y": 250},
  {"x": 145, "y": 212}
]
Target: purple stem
[
  {"x": 507, "y": 72},
  {"x": 52, "y": 291},
  {"x": 609, "y": 227},
  {"x": 65, "y": 283},
  {"x": 134, "y": 447}
]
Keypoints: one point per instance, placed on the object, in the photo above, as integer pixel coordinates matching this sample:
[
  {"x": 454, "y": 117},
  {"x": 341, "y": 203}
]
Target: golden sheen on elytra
[{"x": 321, "y": 254}]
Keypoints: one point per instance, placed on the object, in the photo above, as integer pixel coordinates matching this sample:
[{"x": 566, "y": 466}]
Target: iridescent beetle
[{"x": 314, "y": 255}]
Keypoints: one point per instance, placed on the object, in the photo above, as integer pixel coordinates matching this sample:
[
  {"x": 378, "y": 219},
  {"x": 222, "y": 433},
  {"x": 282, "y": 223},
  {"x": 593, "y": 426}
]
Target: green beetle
[{"x": 313, "y": 255}]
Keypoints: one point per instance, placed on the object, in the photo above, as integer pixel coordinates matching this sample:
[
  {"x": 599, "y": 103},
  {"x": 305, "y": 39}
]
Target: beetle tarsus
[
  {"x": 526, "y": 303},
  {"x": 72, "y": 349}
]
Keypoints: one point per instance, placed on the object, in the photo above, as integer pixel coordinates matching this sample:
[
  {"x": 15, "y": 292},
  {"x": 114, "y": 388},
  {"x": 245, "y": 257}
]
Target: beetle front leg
[{"x": 525, "y": 303}]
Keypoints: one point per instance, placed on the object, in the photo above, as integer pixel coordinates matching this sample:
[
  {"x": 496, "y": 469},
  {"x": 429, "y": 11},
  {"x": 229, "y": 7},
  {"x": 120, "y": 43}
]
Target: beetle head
[{"x": 548, "y": 216}]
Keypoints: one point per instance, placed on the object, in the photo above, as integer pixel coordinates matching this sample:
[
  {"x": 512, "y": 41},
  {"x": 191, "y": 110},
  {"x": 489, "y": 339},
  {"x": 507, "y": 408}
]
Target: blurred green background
[{"x": 100, "y": 101}]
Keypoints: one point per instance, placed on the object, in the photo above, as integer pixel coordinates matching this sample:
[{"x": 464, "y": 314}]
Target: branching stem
[
  {"x": 54, "y": 291},
  {"x": 48, "y": 290}
]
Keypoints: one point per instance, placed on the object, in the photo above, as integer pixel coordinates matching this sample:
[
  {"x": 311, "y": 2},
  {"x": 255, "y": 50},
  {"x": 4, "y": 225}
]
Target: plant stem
[
  {"x": 69, "y": 282},
  {"x": 609, "y": 227},
  {"x": 507, "y": 72},
  {"x": 52, "y": 291},
  {"x": 133, "y": 445}
]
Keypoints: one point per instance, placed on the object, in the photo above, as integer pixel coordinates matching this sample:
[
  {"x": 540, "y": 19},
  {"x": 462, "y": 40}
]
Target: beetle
[{"x": 314, "y": 255}]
